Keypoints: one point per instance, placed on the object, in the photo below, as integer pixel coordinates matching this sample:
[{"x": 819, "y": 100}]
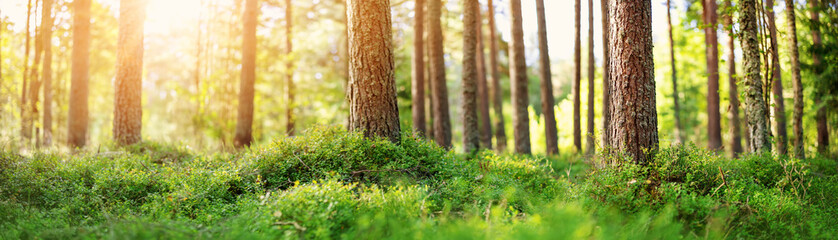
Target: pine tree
[
  {"x": 78, "y": 112},
  {"x": 127, "y": 121},
  {"x": 496, "y": 90},
  {"x": 547, "y": 101},
  {"x": 797, "y": 84},
  {"x": 714, "y": 130},
  {"x": 755, "y": 107},
  {"x": 442, "y": 116},
  {"x": 244, "y": 124},
  {"x": 418, "y": 78},
  {"x": 518, "y": 78},
  {"x": 471, "y": 130}
]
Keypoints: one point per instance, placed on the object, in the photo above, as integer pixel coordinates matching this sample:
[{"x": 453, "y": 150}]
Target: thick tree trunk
[
  {"x": 518, "y": 78},
  {"x": 128, "y": 113},
  {"x": 634, "y": 129},
  {"x": 755, "y": 107},
  {"x": 244, "y": 124},
  {"x": 289, "y": 70},
  {"x": 471, "y": 130},
  {"x": 418, "y": 85},
  {"x": 24, "y": 116},
  {"x": 372, "y": 86},
  {"x": 606, "y": 73},
  {"x": 820, "y": 116},
  {"x": 547, "y": 101},
  {"x": 78, "y": 115},
  {"x": 679, "y": 128},
  {"x": 591, "y": 142},
  {"x": 777, "y": 83},
  {"x": 442, "y": 116},
  {"x": 577, "y": 79},
  {"x": 496, "y": 90},
  {"x": 714, "y": 131},
  {"x": 482, "y": 88},
  {"x": 797, "y": 84},
  {"x": 46, "y": 71},
  {"x": 733, "y": 91}
]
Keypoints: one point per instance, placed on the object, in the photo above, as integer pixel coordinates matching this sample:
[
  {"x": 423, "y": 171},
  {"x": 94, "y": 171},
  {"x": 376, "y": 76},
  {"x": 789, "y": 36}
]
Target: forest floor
[{"x": 331, "y": 184}]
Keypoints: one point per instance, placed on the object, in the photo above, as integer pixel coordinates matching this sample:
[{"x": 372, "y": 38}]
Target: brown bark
[
  {"x": 679, "y": 128},
  {"x": 482, "y": 88},
  {"x": 777, "y": 83},
  {"x": 733, "y": 91},
  {"x": 372, "y": 86},
  {"x": 128, "y": 113},
  {"x": 34, "y": 83},
  {"x": 442, "y": 116},
  {"x": 289, "y": 70},
  {"x": 634, "y": 129},
  {"x": 518, "y": 78},
  {"x": 471, "y": 130},
  {"x": 547, "y": 101},
  {"x": 797, "y": 84},
  {"x": 418, "y": 84},
  {"x": 46, "y": 71},
  {"x": 820, "y": 116},
  {"x": 591, "y": 142},
  {"x": 24, "y": 116},
  {"x": 714, "y": 131},
  {"x": 755, "y": 107},
  {"x": 244, "y": 125},
  {"x": 606, "y": 73},
  {"x": 496, "y": 90},
  {"x": 577, "y": 79},
  {"x": 78, "y": 113}
]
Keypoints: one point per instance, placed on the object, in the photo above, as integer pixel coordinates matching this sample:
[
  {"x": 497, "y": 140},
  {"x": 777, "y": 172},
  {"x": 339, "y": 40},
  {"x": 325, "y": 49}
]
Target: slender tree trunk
[
  {"x": 714, "y": 130},
  {"x": 518, "y": 78},
  {"x": 128, "y": 113},
  {"x": 418, "y": 84},
  {"x": 289, "y": 69},
  {"x": 797, "y": 84},
  {"x": 442, "y": 117},
  {"x": 634, "y": 129},
  {"x": 34, "y": 82},
  {"x": 754, "y": 102},
  {"x": 591, "y": 142},
  {"x": 372, "y": 86},
  {"x": 777, "y": 83},
  {"x": 471, "y": 130},
  {"x": 25, "y": 132},
  {"x": 496, "y": 90},
  {"x": 820, "y": 116},
  {"x": 244, "y": 125},
  {"x": 606, "y": 73},
  {"x": 46, "y": 71},
  {"x": 733, "y": 91},
  {"x": 483, "y": 88},
  {"x": 577, "y": 79},
  {"x": 679, "y": 128},
  {"x": 547, "y": 101},
  {"x": 78, "y": 116}
]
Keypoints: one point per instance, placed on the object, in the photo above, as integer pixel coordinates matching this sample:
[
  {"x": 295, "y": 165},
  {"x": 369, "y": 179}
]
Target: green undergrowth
[{"x": 332, "y": 184}]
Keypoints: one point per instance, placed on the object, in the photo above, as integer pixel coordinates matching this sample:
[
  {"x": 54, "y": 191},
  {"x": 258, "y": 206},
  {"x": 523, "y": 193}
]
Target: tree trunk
[
  {"x": 755, "y": 107},
  {"x": 289, "y": 69},
  {"x": 24, "y": 116},
  {"x": 518, "y": 78},
  {"x": 634, "y": 129},
  {"x": 577, "y": 79},
  {"x": 820, "y": 116},
  {"x": 679, "y": 128},
  {"x": 372, "y": 86},
  {"x": 442, "y": 116},
  {"x": 496, "y": 90},
  {"x": 34, "y": 83},
  {"x": 714, "y": 130},
  {"x": 471, "y": 130},
  {"x": 797, "y": 84},
  {"x": 591, "y": 142},
  {"x": 128, "y": 113},
  {"x": 733, "y": 91},
  {"x": 482, "y": 88},
  {"x": 777, "y": 83},
  {"x": 46, "y": 71},
  {"x": 418, "y": 84},
  {"x": 606, "y": 73},
  {"x": 244, "y": 131},
  {"x": 547, "y": 101},
  {"x": 78, "y": 115}
]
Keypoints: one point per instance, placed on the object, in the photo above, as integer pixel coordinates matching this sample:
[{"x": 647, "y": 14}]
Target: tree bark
[
  {"x": 820, "y": 116},
  {"x": 797, "y": 84},
  {"x": 46, "y": 71},
  {"x": 78, "y": 113},
  {"x": 634, "y": 129},
  {"x": 482, "y": 88},
  {"x": 518, "y": 78},
  {"x": 289, "y": 69},
  {"x": 755, "y": 107},
  {"x": 471, "y": 130},
  {"x": 679, "y": 128},
  {"x": 34, "y": 82},
  {"x": 577, "y": 79},
  {"x": 733, "y": 91},
  {"x": 547, "y": 101},
  {"x": 606, "y": 73},
  {"x": 714, "y": 130},
  {"x": 591, "y": 142},
  {"x": 128, "y": 113},
  {"x": 372, "y": 87},
  {"x": 777, "y": 83},
  {"x": 442, "y": 116},
  {"x": 244, "y": 131},
  {"x": 496, "y": 90},
  {"x": 24, "y": 116},
  {"x": 418, "y": 84}
]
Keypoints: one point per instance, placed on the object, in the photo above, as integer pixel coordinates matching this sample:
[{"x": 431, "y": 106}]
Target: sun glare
[{"x": 166, "y": 15}]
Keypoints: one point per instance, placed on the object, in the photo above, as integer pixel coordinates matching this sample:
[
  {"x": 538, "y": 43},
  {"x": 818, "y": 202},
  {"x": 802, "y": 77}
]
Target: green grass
[{"x": 332, "y": 184}]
